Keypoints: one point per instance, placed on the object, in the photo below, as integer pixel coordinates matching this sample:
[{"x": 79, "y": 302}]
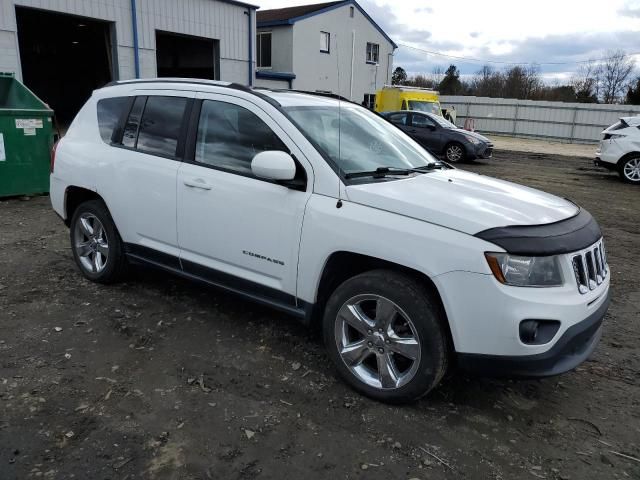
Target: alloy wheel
[
  {"x": 632, "y": 170},
  {"x": 377, "y": 341},
  {"x": 454, "y": 153},
  {"x": 91, "y": 243}
]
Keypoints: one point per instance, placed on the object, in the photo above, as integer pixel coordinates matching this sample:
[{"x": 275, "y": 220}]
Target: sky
[{"x": 544, "y": 31}]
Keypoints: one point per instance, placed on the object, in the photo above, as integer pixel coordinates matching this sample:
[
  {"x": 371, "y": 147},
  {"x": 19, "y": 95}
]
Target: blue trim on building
[
  {"x": 269, "y": 75},
  {"x": 136, "y": 47},
  {"x": 291, "y": 21},
  {"x": 275, "y": 75}
]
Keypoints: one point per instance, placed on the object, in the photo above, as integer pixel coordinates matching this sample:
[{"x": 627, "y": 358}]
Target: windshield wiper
[{"x": 382, "y": 172}]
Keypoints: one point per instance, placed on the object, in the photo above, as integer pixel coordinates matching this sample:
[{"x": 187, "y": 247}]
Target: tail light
[{"x": 53, "y": 156}]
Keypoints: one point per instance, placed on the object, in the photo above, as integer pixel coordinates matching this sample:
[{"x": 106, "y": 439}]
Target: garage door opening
[
  {"x": 64, "y": 58},
  {"x": 186, "y": 56}
]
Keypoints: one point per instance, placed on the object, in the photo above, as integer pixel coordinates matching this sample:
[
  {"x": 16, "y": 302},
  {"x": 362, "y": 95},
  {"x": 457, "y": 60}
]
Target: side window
[
  {"x": 130, "y": 131},
  {"x": 421, "y": 121},
  {"x": 110, "y": 111},
  {"x": 160, "y": 125},
  {"x": 229, "y": 136},
  {"x": 399, "y": 118}
]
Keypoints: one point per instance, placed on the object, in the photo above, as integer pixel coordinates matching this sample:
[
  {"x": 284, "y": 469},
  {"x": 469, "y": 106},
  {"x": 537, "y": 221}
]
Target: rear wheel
[
  {"x": 96, "y": 244},
  {"x": 384, "y": 332},
  {"x": 454, "y": 152},
  {"x": 630, "y": 170}
]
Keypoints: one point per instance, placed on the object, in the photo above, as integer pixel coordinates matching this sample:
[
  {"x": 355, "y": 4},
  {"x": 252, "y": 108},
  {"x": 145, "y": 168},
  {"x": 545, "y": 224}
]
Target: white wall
[
  {"x": 319, "y": 71},
  {"x": 572, "y": 122},
  {"x": 281, "y": 48},
  {"x": 204, "y": 18}
]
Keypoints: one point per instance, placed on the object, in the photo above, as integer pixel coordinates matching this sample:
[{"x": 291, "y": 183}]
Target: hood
[
  {"x": 463, "y": 201},
  {"x": 473, "y": 134}
]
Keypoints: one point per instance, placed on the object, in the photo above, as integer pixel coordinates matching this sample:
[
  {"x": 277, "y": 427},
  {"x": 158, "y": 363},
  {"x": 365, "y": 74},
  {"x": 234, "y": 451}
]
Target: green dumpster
[{"x": 26, "y": 139}]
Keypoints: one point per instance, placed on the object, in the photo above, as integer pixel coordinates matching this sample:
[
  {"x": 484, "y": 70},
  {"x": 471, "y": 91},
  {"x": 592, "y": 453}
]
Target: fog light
[
  {"x": 529, "y": 331},
  {"x": 538, "y": 332}
]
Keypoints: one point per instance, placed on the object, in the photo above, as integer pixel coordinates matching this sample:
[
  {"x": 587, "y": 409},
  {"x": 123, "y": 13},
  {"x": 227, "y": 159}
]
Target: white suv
[
  {"x": 619, "y": 149},
  {"x": 326, "y": 211}
]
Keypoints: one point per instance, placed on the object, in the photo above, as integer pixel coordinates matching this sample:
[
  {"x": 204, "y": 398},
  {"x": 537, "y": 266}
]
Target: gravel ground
[
  {"x": 159, "y": 378},
  {"x": 534, "y": 145}
]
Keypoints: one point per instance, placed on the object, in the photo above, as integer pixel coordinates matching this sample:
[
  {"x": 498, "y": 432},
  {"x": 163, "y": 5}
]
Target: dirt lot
[{"x": 158, "y": 378}]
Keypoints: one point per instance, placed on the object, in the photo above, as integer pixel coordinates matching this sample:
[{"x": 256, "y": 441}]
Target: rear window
[
  {"x": 160, "y": 125},
  {"x": 110, "y": 111}
]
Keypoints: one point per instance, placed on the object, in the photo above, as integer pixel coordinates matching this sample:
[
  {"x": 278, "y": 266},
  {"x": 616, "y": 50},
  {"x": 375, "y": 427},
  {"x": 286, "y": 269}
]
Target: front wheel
[
  {"x": 454, "y": 152},
  {"x": 630, "y": 170},
  {"x": 96, "y": 244},
  {"x": 385, "y": 334}
]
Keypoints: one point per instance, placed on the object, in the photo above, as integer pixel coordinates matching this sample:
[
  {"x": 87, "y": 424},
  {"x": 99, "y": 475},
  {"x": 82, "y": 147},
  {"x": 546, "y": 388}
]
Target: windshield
[
  {"x": 443, "y": 122},
  {"x": 367, "y": 141},
  {"x": 423, "y": 106}
]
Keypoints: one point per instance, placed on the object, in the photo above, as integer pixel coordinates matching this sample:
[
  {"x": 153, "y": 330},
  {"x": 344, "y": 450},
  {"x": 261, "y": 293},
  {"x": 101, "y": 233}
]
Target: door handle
[{"x": 197, "y": 183}]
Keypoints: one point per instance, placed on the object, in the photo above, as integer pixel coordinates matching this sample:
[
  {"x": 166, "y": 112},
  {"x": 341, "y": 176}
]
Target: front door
[
  {"x": 234, "y": 228},
  {"x": 426, "y": 132}
]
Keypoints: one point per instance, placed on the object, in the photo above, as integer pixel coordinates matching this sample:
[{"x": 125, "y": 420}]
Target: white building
[
  {"x": 63, "y": 49},
  {"x": 334, "y": 47}
]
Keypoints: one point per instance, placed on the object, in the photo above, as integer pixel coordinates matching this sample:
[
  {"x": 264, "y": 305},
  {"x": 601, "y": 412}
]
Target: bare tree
[
  {"x": 587, "y": 82},
  {"x": 616, "y": 69},
  {"x": 437, "y": 75}
]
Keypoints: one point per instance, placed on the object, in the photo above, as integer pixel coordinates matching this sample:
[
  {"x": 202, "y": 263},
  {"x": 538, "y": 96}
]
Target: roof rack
[{"x": 411, "y": 87}]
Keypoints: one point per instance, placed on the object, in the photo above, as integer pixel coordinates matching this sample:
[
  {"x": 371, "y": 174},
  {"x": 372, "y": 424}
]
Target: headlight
[
  {"x": 474, "y": 140},
  {"x": 525, "y": 271}
]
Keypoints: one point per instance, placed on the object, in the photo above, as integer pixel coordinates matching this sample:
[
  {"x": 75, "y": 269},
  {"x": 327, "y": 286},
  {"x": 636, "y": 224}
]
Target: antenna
[{"x": 339, "y": 204}]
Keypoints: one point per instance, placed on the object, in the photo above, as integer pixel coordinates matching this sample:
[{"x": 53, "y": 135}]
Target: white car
[
  {"x": 325, "y": 211},
  {"x": 619, "y": 149}
]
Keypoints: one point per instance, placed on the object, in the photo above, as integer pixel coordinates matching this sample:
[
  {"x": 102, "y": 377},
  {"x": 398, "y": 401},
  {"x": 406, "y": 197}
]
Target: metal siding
[{"x": 577, "y": 122}]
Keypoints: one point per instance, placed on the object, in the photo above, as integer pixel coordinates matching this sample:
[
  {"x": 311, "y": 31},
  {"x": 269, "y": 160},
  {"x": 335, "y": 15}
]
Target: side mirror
[
  {"x": 431, "y": 127},
  {"x": 274, "y": 165}
]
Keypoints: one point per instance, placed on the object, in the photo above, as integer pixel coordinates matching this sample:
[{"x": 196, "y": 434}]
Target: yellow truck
[{"x": 398, "y": 97}]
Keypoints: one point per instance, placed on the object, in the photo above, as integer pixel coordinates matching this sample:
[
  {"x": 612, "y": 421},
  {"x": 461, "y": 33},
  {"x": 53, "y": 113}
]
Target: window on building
[
  {"x": 110, "y": 111},
  {"x": 160, "y": 125},
  {"x": 352, "y": 11},
  {"x": 373, "y": 53},
  {"x": 325, "y": 42},
  {"x": 369, "y": 101},
  {"x": 264, "y": 49},
  {"x": 229, "y": 136}
]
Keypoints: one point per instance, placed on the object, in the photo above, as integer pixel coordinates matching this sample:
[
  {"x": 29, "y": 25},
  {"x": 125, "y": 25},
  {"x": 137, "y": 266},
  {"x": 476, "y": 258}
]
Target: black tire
[
  {"x": 455, "y": 152},
  {"x": 426, "y": 316},
  {"x": 115, "y": 266},
  {"x": 628, "y": 169}
]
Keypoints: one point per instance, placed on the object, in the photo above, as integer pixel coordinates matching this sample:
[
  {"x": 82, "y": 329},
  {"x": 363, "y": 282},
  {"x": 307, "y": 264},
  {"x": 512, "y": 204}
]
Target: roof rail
[{"x": 196, "y": 81}]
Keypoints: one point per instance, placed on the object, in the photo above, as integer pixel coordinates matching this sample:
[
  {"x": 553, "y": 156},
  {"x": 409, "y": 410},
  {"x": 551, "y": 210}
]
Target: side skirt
[{"x": 249, "y": 290}]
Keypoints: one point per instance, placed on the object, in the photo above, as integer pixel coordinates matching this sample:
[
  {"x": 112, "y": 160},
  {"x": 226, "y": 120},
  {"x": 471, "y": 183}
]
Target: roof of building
[{"x": 291, "y": 15}]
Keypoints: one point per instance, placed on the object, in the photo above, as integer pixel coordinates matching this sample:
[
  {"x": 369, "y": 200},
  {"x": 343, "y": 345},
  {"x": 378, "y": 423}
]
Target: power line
[{"x": 478, "y": 60}]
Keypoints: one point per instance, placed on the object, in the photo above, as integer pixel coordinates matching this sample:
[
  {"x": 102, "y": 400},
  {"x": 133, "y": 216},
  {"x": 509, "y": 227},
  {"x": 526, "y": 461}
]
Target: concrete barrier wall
[{"x": 570, "y": 122}]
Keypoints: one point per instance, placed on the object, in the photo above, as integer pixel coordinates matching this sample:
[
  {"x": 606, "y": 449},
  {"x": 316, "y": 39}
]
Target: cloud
[
  {"x": 565, "y": 49},
  {"x": 631, "y": 9}
]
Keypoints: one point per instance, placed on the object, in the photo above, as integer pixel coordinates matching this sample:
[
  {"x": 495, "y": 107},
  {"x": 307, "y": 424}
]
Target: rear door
[
  {"x": 141, "y": 186},
  {"x": 234, "y": 228}
]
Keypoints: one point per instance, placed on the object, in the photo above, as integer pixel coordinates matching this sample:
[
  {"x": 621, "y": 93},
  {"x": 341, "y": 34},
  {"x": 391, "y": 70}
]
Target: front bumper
[
  {"x": 574, "y": 347},
  {"x": 482, "y": 150}
]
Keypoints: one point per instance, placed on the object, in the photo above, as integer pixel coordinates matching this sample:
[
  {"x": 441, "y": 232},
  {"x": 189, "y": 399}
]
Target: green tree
[
  {"x": 399, "y": 76},
  {"x": 451, "y": 84},
  {"x": 633, "y": 92}
]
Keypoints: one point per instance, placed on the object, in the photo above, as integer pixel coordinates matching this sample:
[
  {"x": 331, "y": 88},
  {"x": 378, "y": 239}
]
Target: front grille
[{"x": 590, "y": 267}]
